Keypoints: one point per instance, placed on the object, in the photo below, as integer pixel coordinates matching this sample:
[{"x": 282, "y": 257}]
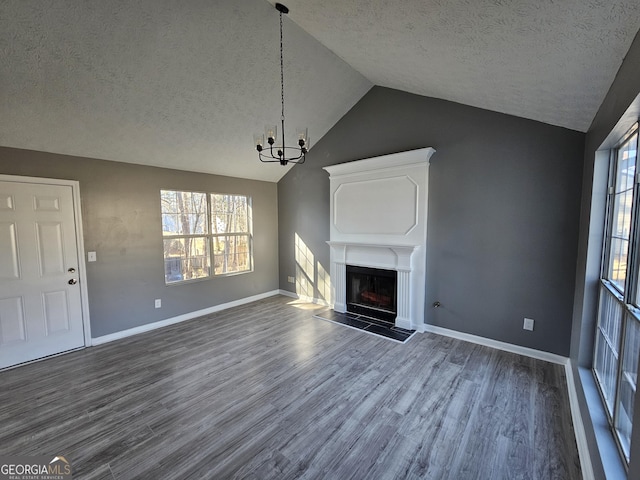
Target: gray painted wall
[
  {"x": 121, "y": 222},
  {"x": 620, "y": 109},
  {"x": 504, "y": 204}
]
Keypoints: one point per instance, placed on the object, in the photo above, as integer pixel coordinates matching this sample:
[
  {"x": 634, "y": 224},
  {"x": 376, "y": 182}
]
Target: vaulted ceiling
[{"x": 185, "y": 84}]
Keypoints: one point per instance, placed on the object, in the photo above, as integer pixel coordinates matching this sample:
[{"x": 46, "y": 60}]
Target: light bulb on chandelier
[{"x": 282, "y": 154}]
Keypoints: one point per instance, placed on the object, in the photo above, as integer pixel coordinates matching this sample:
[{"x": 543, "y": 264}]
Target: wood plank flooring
[{"x": 265, "y": 391}]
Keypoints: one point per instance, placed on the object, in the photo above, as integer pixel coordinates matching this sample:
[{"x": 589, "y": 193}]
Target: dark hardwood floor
[{"x": 265, "y": 391}]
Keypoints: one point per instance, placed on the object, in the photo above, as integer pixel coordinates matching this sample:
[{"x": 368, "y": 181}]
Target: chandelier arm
[
  {"x": 270, "y": 157},
  {"x": 265, "y": 159},
  {"x": 301, "y": 156}
]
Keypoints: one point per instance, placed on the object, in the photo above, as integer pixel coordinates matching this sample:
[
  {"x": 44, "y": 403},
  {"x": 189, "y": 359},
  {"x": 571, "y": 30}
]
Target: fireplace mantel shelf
[{"x": 408, "y": 248}]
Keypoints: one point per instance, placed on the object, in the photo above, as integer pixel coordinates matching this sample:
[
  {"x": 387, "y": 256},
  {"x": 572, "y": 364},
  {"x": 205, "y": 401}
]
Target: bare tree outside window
[{"x": 200, "y": 229}]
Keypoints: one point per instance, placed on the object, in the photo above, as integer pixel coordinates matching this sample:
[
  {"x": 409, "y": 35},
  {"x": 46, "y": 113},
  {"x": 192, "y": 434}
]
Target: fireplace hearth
[{"x": 372, "y": 292}]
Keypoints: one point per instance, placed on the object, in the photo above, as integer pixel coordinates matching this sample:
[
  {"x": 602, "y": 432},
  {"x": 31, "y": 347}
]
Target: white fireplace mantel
[{"x": 379, "y": 220}]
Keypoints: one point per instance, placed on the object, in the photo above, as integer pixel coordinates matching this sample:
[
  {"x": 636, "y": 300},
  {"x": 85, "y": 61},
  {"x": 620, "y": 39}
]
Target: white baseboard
[
  {"x": 287, "y": 293},
  {"x": 578, "y": 426},
  {"x": 507, "y": 347},
  {"x": 304, "y": 298},
  {"x": 180, "y": 318}
]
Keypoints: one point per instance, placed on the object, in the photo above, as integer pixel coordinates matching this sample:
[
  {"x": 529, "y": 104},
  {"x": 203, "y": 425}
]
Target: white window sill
[{"x": 612, "y": 463}]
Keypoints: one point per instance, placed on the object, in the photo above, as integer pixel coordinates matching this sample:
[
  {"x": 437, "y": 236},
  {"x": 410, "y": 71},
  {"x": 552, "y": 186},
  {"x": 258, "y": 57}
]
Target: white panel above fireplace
[
  {"x": 379, "y": 220},
  {"x": 389, "y": 203}
]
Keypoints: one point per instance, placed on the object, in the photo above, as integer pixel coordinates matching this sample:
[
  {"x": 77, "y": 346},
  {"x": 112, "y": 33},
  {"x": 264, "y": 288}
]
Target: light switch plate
[{"x": 91, "y": 256}]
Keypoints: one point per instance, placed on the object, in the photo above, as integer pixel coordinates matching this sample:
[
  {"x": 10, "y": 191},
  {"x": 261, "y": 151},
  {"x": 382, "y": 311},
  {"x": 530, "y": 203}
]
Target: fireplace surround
[{"x": 378, "y": 220}]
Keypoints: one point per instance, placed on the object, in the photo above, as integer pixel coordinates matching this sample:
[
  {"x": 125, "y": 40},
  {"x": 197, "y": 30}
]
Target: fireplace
[
  {"x": 378, "y": 219},
  {"x": 372, "y": 292}
]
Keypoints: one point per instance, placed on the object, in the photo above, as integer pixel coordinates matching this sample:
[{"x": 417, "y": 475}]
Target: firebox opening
[{"x": 372, "y": 292}]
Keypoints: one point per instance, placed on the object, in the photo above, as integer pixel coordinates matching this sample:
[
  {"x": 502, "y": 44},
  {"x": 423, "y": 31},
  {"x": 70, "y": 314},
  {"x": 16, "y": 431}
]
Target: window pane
[
  {"x": 231, "y": 253},
  {"x": 626, "y": 164},
  {"x": 622, "y": 214},
  {"x": 183, "y": 213},
  {"x": 618, "y": 262},
  {"x": 607, "y": 345},
  {"x": 230, "y": 213},
  {"x": 186, "y": 258},
  {"x": 628, "y": 383}
]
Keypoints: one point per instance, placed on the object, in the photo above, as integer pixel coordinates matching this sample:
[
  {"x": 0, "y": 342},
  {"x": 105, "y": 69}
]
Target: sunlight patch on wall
[
  {"x": 304, "y": 285},
  {"x": 323, "y": 283},
  {"x": 304, "y": 257},
  {"x": 312, "y": 280},
  {"x": 304, "y": 268}
]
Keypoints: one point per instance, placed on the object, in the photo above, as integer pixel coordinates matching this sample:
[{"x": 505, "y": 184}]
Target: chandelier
[{"x": 282, "y": 153}]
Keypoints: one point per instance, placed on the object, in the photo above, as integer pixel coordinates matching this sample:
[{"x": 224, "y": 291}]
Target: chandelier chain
[{"x": 281, "y": 72}]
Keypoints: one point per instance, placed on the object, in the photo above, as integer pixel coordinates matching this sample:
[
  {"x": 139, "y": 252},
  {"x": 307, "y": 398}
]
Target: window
[
  {"x": 201, "y": 230},
  {"x": 231, "y": 224},
  {"x": 617, "y": 345}
]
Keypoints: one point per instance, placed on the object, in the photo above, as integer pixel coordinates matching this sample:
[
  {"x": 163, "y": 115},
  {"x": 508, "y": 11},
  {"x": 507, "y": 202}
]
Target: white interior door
[{"x": 40, "y": 298}]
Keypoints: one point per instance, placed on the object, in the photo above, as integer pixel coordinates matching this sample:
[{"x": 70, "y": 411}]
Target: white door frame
[{"x": 77, "y": 212}]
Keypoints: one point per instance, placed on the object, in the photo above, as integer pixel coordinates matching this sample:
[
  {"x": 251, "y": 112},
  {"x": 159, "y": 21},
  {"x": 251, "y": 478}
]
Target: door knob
[
  {"x": 73, "y": 281},
  {"x": 72, "y": 270}
]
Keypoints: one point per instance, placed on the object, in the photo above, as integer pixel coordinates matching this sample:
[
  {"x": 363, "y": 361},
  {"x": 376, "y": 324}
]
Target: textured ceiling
[
  {"x": 185, "y": 84},
  {"x": 548, "y": 60},
  {"x": 180, "y": 84}
]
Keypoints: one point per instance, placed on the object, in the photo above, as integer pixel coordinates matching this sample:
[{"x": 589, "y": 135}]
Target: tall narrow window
[
  {"x": 231, "y": 224},
  {"x": 185, "y": 231},
  {"x": 200, "y": 230},
  {"x": 617, "y": 346}
]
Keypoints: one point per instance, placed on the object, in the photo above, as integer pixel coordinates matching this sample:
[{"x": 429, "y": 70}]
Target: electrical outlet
[
  {"x": 158, "y": 303},
  {"x": 528, "y": 324},
  {"x": 291, "y": 279}
]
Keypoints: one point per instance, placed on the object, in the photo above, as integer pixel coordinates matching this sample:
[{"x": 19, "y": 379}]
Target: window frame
[
  {"x": 630, "y": 280},
  {"x": 627, "y": 299},
  {"x": 210, "y": 236},
  {"x": 248, "y": 234}
]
